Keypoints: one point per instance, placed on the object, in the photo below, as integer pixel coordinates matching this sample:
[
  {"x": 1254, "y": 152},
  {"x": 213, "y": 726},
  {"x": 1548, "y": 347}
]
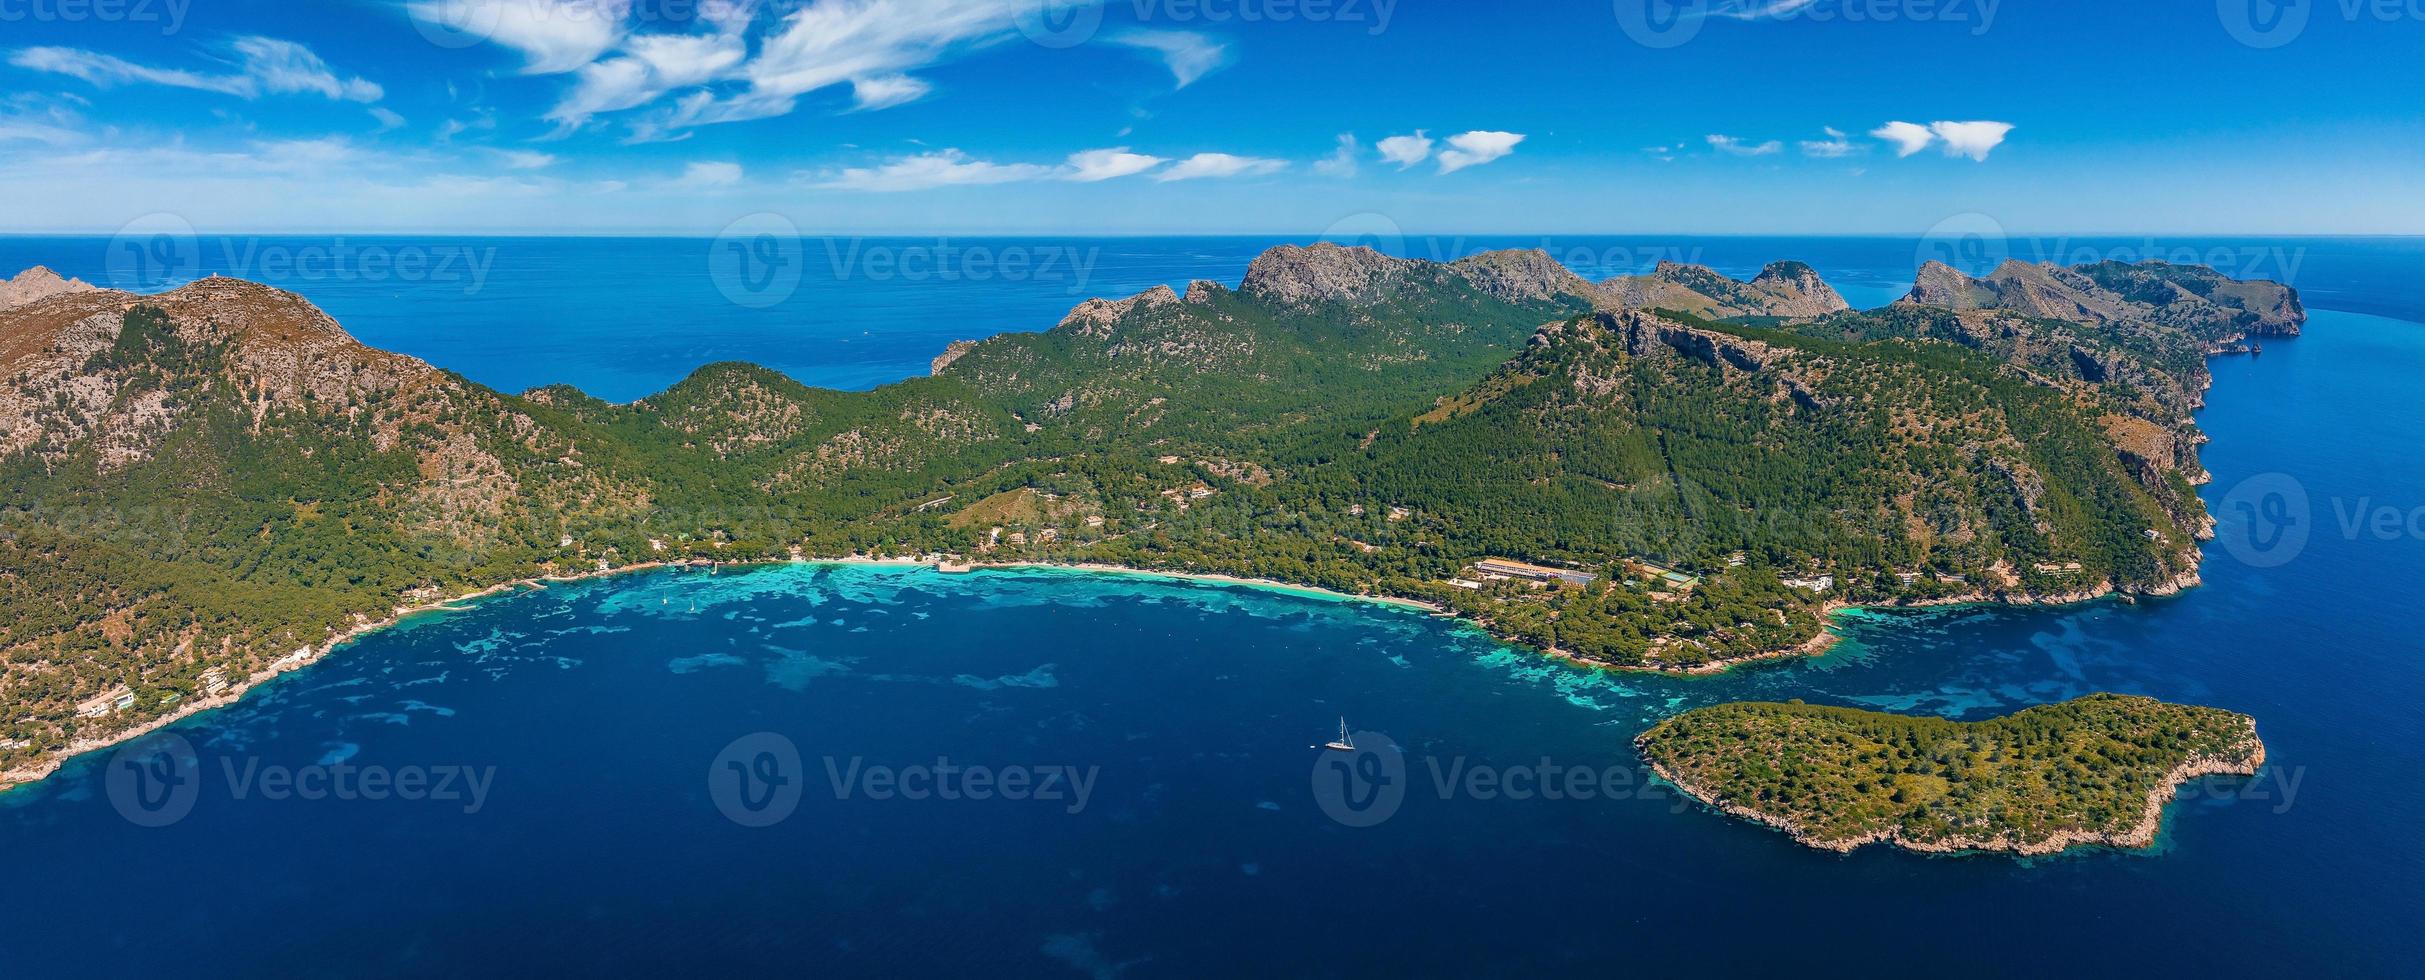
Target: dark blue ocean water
[
  {"x": 601, "y": 722},
  {"x": 624, "y": 318}
]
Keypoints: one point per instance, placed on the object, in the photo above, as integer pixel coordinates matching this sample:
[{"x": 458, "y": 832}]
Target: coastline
[
  {"x": 1827, "y": 638},
  {"x": 2139, "y": 836},
  {"x": 1213, "y": 578},
  {"x": 15, "y": 779}
]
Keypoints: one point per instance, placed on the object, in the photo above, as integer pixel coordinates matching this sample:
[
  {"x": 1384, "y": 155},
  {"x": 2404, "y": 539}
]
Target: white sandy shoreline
[
  {"x": 48, "y": 765},
  {"x": 27, "y": 775}
]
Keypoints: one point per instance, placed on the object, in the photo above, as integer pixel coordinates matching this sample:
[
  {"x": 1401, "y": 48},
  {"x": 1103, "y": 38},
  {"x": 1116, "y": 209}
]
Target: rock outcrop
[
  {"x": 37, "y": 283},
  {"x": 2219, "y": 309},
  {"x": 1294, "y": 277},
  {"x": 1518, "y": 275},
  {"x": 1788, "y": 290}
]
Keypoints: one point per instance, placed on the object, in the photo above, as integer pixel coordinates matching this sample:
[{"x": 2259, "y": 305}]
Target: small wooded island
[{"x": 2096, "y": 770}]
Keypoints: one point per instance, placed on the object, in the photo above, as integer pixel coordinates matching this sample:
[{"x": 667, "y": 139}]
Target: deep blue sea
[
  {"x": 776, "y": 771},
  {"x": 624, "y": 318}
]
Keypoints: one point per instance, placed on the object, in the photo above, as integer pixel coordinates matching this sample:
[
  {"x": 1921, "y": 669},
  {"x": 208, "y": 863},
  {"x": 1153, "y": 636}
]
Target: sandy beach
[
  {"x": 236, "y": 691},
  {"x": 1828, "y": 636}
]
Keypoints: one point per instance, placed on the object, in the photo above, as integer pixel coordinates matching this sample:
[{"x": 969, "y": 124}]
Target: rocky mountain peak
[
  {"x": 1517, "y": 275},
  {"x": 1096, "y": 317},
  {"x": 38, "y": 283},
  {"x": 1938, "y": 284},
  {"x": 1785, "y": 289},
  {"x": 1292, "y": 275},
  {"x": 1798, "y": 290}
]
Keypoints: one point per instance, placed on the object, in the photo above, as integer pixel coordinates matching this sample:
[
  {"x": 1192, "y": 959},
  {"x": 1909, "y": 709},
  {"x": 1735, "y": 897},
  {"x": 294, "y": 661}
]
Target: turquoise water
[{"x": 595, "y": 824}]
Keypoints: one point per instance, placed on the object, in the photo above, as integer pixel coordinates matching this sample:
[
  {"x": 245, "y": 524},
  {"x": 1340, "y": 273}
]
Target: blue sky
[{"x": 1213, "y": 116}]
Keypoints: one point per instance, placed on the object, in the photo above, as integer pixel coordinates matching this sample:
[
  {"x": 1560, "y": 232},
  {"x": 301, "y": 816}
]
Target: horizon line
[{"x": 1289, "y": 236}]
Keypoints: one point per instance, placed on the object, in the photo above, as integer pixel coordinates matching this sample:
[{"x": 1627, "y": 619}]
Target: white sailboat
[{"x": 1344, "y": 744}]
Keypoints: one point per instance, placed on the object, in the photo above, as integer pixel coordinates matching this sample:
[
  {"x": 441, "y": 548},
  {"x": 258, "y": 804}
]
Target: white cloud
[
  {"x": 710, "y": 173},
  {"x": 832, "y": 42},
  {"x": 1961, "y": 139},
  {"x": 1908, "y": 138},
  {"x": 1406, "y": 151},
  {"x": 1757, "y": 9},
  {"x": 887, "y": 91},
  {"x": 288, "y": 68},
  {"x": 26, "y": 117},
  {"x": 1189, "y": 55},
  {"x": 306, "y": 156},
  {"x": 452, "y": 128},
  {"x": 942, "y": 168},
  {"x": 1089, "y": 166},
  {"x": 529, "y": 160},
  {"x": 105, "y": 71},
  {"x": 1342, "y": 161},
  {"x": 1836, "y": 145},
  {"x": 731, "y": 73},
  {"x": 1220, "y": 165},
  {"x": 265, "y": 66},
  {"x": 651, "y": 66},
  {"x": 34, "y": 132},
  {"x": 556, "y": 36},
  {"x": 1729, "y": 144},
  {"x": 1477, "y": 148},
  {"x": 1971, "y": 139},
  {"x": 388, "y": 118}
]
